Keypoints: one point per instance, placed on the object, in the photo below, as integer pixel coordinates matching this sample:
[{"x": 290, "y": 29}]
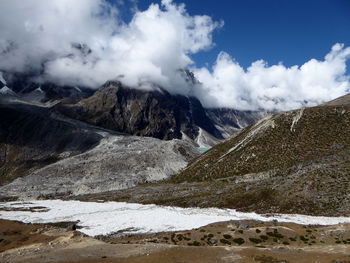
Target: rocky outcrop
[
  {"x": 230, "y": 121},
  {"x": 154, "y": 113}
]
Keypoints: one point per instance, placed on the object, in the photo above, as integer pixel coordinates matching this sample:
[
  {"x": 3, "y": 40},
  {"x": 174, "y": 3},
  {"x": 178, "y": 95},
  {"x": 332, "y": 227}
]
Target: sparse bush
[
  {"x": 224, "y": 241},
  {"x": 264, "y": 237},
  {"x": 194, "y": 243},
  {"x": 257, "y": 231},
  {"x": 304, "y": 239},
  {"x": 255, "y": 240},
  {"x": 238, "y": 241}
]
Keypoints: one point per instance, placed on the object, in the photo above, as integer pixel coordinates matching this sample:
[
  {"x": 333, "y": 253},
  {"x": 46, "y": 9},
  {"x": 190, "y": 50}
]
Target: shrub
[
  {"x": 194, "y": 243},
  {"x": 227, "y": 236},
  {"x": 264, "y": 237},
  {"x": 238, "y": 241},
  {"x": 257, "y": 231},
  {"x": 255, "y": 240},
  {"x": 224, "y": 241},
  {"x": 179, "y": 237},
  {"x": 304, "y": 239}
]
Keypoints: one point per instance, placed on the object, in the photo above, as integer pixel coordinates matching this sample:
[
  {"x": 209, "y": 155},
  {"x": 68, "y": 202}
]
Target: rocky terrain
[
  {"x": 294, "y": 162},
  {"x": 153, "y": 113},
  {"x": 44, "y": 153}
]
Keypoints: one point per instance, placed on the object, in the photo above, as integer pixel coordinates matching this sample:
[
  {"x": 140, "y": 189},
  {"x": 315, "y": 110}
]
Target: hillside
[{"x": 293, "y": 162}]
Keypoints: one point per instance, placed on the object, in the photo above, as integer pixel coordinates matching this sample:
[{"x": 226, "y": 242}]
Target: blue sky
[
  {"x": 160, "y": 41},
  {"x": 274, "y": 30}
]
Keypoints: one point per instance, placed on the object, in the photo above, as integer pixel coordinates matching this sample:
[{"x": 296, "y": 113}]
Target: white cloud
[
  {"x": 55, "y": 37},
  {"x": 151, "y": 48},
  {"x": 274, "y": 87}
]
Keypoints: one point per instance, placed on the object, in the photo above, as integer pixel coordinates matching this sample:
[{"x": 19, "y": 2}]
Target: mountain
[
  {"x": 43, "y": 153},
  {"x": 32, "y": 137},
  {"x": 230, "y": 121},
  {"x": 296, "y": 162},
  {"x": 27, "y": 87},
  {"x": 154, "y": 113}
]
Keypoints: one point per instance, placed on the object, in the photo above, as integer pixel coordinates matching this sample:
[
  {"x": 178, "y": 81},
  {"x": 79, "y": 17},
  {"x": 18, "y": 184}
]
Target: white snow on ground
[
  {"x": 296, "y": 118},
  {"x": 2, "y": 79},
  {"x": 104, "y": 218},
  {"x": 259, "y": 127},
  {"x": 6, "y": 90}
]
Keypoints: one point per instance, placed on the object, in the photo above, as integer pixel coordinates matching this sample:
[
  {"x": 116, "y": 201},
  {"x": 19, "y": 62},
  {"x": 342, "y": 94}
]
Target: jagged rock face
[
  {"x": 31, "y": 137},
  {"x": 230, "y": 121},
  {"x": 154, "y": 113},
  {"x": 25, "y": 85}
]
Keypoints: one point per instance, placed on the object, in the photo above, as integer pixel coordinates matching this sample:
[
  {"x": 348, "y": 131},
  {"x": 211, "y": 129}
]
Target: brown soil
[
  {"x": 15, "y": 234},
  {"x": 46, "y": 243}
]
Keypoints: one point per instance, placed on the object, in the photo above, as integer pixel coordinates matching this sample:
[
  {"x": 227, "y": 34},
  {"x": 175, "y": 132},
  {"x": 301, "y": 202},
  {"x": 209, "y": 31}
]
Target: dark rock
[{"x": 155, "y": 113}]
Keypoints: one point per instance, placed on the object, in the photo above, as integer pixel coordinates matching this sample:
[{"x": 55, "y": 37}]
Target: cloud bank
[
  {"x": 274, "y": 87},
  {"x": 85, "y": 43}
]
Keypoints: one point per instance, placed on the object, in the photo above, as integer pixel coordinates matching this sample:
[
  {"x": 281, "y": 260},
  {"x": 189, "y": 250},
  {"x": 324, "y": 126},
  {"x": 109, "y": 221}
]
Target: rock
[{"x": 213, "y": 241}]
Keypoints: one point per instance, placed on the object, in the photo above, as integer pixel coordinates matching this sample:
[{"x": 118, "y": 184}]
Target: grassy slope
[{"x": 319, "y": 137}]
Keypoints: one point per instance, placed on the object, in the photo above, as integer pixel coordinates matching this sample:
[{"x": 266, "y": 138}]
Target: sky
[
  {"x": 276, "y": 31},
  {"x": 246, "y": 54}
]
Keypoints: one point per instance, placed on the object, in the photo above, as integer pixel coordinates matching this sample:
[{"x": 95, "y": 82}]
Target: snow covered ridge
[{"x": 105, "y": 218}]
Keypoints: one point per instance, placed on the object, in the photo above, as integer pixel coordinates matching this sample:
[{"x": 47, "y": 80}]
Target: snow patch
[
  {"x": 6, "y": 90},
  {"x": 105, "y": 218},
  {"x": 77, "y": 89},
  {"x": 259, "y": 127},
  {"x": 39, "y": 90},
  {"x": 296, "y": 118},
  {"x": 205, "y": 140},
  {"x": 2, "y": 80}
]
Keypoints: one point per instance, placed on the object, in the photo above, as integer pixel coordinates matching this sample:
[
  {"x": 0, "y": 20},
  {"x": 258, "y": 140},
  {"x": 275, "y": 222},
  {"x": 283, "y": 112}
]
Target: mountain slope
[
  {"x": 279, "y": 142},
  {"x": 154, "y": 113},
  {"x": 294, "y": 162},
  {"x": 30, "y": 137},
  {"x": 43, "y": 153}
]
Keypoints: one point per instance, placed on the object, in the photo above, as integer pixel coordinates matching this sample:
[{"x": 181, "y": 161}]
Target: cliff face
[{"x": 154, "y": 113}]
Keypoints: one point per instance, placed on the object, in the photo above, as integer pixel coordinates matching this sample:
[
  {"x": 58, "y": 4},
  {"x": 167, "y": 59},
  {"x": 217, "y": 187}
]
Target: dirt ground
[{"x": 219, "y": 242}]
